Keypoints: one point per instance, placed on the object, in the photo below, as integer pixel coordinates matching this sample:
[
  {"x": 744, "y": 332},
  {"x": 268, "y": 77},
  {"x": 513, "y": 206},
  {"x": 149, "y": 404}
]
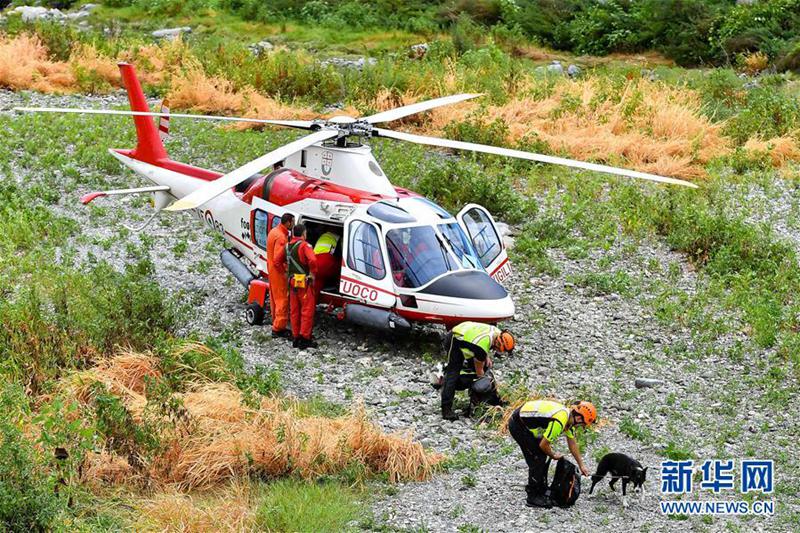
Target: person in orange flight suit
[
  {"x": 302, "y": 302},
  {"x": 277, "y": 240}
]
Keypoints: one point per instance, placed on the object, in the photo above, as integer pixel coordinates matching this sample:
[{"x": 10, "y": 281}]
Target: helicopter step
[{"x": 376, "y": 318}]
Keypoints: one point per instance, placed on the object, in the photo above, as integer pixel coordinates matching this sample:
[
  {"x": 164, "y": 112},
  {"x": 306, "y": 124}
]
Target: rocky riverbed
[{"x": 573, "y": 343}]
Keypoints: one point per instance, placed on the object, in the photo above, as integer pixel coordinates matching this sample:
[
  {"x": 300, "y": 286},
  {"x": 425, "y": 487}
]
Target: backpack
[{"x": 566, "y": 485}]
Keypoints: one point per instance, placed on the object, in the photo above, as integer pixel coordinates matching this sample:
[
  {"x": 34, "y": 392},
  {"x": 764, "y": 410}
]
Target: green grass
[{"x": 291, "y": 505}]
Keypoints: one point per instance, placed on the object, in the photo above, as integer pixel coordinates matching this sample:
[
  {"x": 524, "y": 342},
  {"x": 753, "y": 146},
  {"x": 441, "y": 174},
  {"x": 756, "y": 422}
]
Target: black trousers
[
  {"x": 455, "y": 379},
  {"x": 534, "y": 456}
]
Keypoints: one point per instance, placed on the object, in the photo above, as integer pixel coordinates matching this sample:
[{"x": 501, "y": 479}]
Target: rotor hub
[{"x": 346, "y": 126}]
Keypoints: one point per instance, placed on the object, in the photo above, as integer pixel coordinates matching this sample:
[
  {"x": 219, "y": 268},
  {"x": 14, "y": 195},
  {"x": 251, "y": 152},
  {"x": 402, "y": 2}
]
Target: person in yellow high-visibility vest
[
  {"x": 535, "y": 426},
  {"x": 329, "y": 262},
  {"x": 468, "y": 346}
]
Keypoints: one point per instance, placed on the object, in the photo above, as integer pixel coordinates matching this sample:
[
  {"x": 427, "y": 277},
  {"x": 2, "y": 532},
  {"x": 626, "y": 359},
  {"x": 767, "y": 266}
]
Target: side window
[
  {"x": 260, "y": 228},
  {"x": 275, "y": 221},
  {"x": 364, "y": 254},
  {"x": 483, "y": 235}
]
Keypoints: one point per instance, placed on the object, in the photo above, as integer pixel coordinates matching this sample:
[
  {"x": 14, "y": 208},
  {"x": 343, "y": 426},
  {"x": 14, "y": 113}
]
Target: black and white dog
[{"x": 620, "y": 466}]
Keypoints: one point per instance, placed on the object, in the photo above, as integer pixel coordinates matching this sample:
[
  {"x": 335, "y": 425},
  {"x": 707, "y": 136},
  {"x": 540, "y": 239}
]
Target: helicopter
[{"x": 404, "y": 259}]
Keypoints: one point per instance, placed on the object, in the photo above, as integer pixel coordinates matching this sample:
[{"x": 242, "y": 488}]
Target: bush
[
  {"x": 768, "y": 112},
  {"x": 454, "y": 184},
  {"x": 759, "y": 26},
  {"x": 28, "y": 499},
  {"x": 603, "y": 28},
  {"x": 680, "y": 28},
  {"x": 466, "y": 35}
]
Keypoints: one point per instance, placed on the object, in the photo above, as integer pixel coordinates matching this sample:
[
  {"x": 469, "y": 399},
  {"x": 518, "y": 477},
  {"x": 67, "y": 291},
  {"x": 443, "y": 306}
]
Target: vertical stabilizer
[{"x": 149, "y": 147}]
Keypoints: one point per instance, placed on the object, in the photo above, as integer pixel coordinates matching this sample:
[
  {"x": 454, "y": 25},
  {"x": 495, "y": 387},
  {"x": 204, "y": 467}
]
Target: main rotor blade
[
  {"x": 419, "y": 107},
  {"x": 231, "y": 179},
  {"x": 519, "y": 154},
  {"x": 301, "y": 124}
]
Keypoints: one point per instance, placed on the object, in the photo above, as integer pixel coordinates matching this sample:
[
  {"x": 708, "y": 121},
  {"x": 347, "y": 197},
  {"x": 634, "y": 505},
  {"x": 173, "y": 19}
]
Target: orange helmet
[
  {"x": 587, "y": 410},
  {"x": 504, "y": 342}
]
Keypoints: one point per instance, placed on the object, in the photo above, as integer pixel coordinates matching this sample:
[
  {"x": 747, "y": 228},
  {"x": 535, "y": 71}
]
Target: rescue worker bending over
[
  {"x": 468, "y": 346},
  {"x": 302, "y": 271},
  {"x": 277, "y": 239},
  {"x": 328, "y": 265},
  {"x": 535, "y": 426}
]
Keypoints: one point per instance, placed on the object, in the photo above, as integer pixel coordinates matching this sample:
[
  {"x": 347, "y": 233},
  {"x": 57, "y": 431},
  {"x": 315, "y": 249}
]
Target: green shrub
[
  {"x": 759, "y": 26},
  {"x": 28, "y": 499},
  {"x": 603, "y": 28},
  {"x": 767, "y": 112},
  {"x": 454, "y": 183},
  {"x": 466, "y": 35}
]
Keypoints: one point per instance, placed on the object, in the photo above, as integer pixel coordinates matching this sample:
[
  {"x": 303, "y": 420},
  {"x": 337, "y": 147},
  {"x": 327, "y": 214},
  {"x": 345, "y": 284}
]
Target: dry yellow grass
[
  {"x": 228, "y": 508},
  {"x": 197, "y": 91},
  {"x": 755, "y": 62},
  {"x": 223, "y": 440},
  {"x": 781, "y": 150},
  {"x": 654, "y": 127},
  {"x": 24, "y": 65}
]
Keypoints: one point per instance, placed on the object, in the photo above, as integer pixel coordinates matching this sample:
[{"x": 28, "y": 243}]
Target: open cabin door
[
  {"x": 365, "y": 273},
  {"x": 482, "y": 231},
  {"x": 263, "y": 217}
]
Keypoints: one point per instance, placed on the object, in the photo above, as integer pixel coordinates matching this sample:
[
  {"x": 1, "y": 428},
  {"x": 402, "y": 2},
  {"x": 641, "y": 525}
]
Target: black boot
[
  {"x": 282, "y": 334},
  {"x": 449, "y": 414},
  {"x": 538, "y": 500},
  {"x": 296, "y": 342},
  {"x": 306, "y": 343}
]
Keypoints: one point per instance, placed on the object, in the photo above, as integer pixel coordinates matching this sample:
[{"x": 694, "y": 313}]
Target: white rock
[
  {"x": 33, "y": 13},
  {"x": 171, "y": 33},
  {"x": 261, "y": 47}
]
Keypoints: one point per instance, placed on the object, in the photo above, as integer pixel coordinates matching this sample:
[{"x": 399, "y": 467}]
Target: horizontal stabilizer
[{"x": 87, "y": 198}]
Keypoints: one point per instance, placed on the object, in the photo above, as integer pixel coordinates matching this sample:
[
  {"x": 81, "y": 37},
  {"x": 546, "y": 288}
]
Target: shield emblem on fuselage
[{"x": 327, "y": 162}]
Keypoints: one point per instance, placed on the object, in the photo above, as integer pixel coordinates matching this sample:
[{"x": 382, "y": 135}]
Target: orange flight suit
[
  {"x": 302, "y": 300},
  {"x": 278, "y": 280}
]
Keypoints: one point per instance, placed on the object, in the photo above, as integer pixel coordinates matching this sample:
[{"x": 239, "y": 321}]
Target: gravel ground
[{"x": 572, "y": 344}]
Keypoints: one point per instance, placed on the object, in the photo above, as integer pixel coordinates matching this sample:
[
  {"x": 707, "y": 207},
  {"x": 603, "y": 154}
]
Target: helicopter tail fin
[{"x": 149, "y": 147}]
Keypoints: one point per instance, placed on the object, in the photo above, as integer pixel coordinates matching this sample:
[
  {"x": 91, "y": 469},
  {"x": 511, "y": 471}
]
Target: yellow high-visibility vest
[
  {"x": 546, "y": 419},
  {"x": 326, "y": 243}
]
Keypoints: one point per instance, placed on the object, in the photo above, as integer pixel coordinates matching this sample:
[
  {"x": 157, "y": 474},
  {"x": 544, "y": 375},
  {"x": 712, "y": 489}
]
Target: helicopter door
[
  {"x": 364, "y": 270},
  {"x": 481, "y": 229},
  {"x": 263, "y": 217}
]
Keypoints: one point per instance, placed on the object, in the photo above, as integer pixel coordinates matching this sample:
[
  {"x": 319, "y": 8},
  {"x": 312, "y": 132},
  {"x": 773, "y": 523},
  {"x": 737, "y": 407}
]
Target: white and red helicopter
[{"x": 404, "y": 259}]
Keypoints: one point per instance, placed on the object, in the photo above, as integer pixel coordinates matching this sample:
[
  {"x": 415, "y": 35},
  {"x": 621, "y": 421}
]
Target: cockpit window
[
  {"x": 460, "y": 245},
  {"x": 364, "y": 254},
  {"x": 417, "y": 255},
  {"x": 484, "y": 237}
]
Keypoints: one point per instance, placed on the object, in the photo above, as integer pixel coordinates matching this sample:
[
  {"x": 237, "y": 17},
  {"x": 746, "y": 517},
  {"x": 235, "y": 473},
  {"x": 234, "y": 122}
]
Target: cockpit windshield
[
  {"x": 417, "y": 255},
  {"x": 460, "y": 245}
]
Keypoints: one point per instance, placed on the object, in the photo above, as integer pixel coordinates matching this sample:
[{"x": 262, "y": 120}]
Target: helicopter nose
[
  {"x": 469, "y": 284},
  {"x": 488, "y": 297}
]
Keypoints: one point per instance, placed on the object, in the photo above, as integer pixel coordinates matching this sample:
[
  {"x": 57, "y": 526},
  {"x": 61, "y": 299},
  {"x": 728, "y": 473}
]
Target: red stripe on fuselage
[
  {"x": 237, "y": 239},
  {"x": 499, "y": 266}
]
